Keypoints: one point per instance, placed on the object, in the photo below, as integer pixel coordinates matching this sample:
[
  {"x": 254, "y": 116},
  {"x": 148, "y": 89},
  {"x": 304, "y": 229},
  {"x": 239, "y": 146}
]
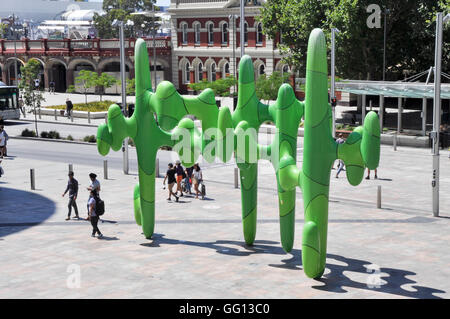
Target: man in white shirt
[{"x": 93, "y": 216}]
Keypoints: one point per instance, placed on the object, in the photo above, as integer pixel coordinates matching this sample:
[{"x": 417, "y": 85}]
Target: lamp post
[
  {"x": 233, "y": 17},
  {"x": 242, "y": 14},
  {"x": 123, "y": 87},
  {"x": 437, "y": 110},
  {"x": 333, "y": 100},
  {"x": 15, "y": 48},
  {"x": 386, "y": 12}
]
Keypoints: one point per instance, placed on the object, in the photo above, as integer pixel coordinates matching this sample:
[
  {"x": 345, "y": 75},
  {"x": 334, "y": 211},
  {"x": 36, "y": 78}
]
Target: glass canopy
[{"x": 393, "y": 89}]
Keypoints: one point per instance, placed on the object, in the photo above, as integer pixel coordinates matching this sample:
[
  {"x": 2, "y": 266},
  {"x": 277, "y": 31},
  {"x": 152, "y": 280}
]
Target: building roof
[{"x": 393, "y": 89}]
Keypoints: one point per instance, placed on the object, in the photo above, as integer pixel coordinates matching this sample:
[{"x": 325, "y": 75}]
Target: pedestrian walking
[
  {"x": 170, "y": 177},
  {"x": 69, "y": 107},
  {"x": 180, "y": 175},
  {"x": 22, "y": 106},
  {"x": 368, "y": 174},
  {"x": 92, "y": 203},
  {"x": 340, "y": 140},
  {"x": 3, "y": 140},
  {"x": 94, "y": 186},
  {"x": 197, "y": 178},
  {"x": 187, "y": 179},
  {"x": 72, "y": 188},
  {"x": 37, "y": 83},
  {"x": 52, "y": 87}
]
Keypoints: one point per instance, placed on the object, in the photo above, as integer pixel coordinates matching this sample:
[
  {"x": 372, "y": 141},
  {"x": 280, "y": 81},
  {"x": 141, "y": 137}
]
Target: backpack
[{"x": 99, "y": 206}]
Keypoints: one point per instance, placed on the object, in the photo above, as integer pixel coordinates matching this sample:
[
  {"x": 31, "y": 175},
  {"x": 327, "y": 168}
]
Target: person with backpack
[
  {"x": 94, "y": 212},
  {"x": 69, "y": 107},
  {"x": 95, "y": 185}
]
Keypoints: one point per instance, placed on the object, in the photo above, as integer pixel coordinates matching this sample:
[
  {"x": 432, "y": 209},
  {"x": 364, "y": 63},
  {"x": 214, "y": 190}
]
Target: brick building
[{"x": 206, "y": 32}]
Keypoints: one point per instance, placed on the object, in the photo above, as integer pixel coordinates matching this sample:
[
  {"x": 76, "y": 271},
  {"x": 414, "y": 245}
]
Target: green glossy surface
[{"x": 221, "y": 128}]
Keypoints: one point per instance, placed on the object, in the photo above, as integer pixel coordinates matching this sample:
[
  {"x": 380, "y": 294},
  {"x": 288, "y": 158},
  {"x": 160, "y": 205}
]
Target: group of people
[
  {"x": 341, "y": 165},
  {"x": 94, "y": 190},
  {"x": 176, "y": 174}
]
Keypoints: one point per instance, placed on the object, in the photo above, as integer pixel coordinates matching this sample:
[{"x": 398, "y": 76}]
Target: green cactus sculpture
[{"x": 220, "y": 129}]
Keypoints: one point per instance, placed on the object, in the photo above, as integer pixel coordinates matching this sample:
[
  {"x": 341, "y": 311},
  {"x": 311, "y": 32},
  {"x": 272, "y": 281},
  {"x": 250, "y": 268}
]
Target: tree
[
  {"x": 131, "y": 86},
  {"x": 221, "y": 87},
  {"x": 3, "y": 29},
  {"x": 87, "y": 79},
  {"x": 359, "y": 49},
  {"x": 267, "y": 86},
  {"x": 105, "y": 81},
  {"x": 121, "y": 10},
  {"x": 31, "y": 97}
]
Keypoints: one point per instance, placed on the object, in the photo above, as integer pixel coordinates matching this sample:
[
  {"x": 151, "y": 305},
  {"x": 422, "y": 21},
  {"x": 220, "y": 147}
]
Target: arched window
[
  {"x": 184, "y": 33},
  {"x": 187, "y": 75},
  {"x": 225, "y": 33},
  {"x": 226, "y": 69},
  {"x": 245, "y": 32},
  {"x": 197, "y": 33},
  {"x": 259, "y": 34},
  {"x": 211, "y": 33},
  {"x": 213, "y": 72},
  {"x": 261, "y": 69},
  {"x": 285, "y": 69},
  {"x": 200, "y": 72}
]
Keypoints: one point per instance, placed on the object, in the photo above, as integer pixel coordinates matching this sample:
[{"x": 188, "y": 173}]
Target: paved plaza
[{"x": 198, "y": 251}]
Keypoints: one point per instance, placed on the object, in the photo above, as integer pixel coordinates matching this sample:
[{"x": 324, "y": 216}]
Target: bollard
[
  {"x": 379, "y": 196},
  {"x": 394, "y": 142},
  {"x": 56, "y": 116},
  {"x": 70, "y": 167},
  {"x": 106, "y": 117},
  {"x": 157, "y": 168},
  {"x": 105, "y": 169},
  {"x": 71, "y": 116},
  {"x": 236, "y": 177},
  {"x": 89, "y": 117},
  {"x": 39, "y": 111},
  {"x": 33, "y": 185}
]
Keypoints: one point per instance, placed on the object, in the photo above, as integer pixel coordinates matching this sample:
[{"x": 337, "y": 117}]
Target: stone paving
[{"x": 198, "y": 251}]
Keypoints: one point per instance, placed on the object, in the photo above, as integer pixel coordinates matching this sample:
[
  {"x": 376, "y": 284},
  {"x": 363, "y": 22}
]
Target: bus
[{"x": 9, "y": 102}]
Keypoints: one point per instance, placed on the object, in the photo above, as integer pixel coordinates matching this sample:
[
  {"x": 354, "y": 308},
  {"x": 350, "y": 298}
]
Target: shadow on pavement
[
  {"x": 12, "y": 123},
  {"x": 384, "y": 280},
  {"x": 22, "y": 209}
]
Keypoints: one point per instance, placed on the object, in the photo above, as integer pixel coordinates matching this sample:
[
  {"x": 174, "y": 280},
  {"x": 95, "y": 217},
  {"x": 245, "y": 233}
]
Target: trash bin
[{"x": 235, "y": 99}]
